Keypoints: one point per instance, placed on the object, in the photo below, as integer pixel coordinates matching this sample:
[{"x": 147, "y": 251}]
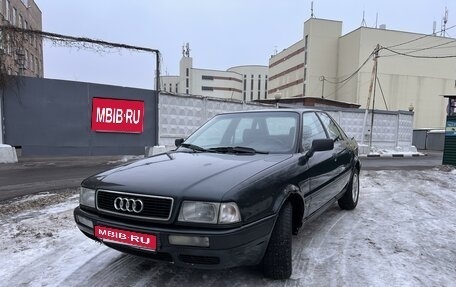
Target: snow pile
[{"x": 401, "y": 234}]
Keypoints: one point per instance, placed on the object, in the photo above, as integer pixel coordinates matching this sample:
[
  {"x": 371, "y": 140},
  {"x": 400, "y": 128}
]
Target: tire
[
  {"x": 350, "y": 198},
  {"x": 277, "y": 259}
]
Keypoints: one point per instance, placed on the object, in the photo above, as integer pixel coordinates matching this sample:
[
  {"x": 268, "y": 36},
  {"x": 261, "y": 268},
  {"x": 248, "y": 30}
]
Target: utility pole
[
  {"x": 157, "y": 101},
  {"x": 375, "y": 88},
  {"x": 371, "y": 86}
]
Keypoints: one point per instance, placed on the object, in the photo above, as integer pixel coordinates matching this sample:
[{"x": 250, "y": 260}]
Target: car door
[
  {"x": 341, "y": 154},
  {"x": 319, "y": 166}
]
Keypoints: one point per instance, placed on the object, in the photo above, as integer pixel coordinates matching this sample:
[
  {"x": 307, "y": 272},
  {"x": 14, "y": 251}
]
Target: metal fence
[{"x": 53, "y": 117}]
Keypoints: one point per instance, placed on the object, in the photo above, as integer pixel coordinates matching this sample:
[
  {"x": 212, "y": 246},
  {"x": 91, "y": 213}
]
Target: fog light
[
  {"x": 85, "y": 221},
  {"x": 189, "y": 240}
]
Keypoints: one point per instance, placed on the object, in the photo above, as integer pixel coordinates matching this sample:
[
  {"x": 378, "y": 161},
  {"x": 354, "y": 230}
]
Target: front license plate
[{"x": 141, "y": 240}]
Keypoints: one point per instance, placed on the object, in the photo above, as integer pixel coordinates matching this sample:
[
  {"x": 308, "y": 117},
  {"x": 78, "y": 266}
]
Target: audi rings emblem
[{"x": 128, "y": 204}]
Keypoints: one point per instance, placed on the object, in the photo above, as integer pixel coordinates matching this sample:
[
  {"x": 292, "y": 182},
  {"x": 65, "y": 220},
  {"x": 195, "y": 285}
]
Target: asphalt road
[{"x": 37, "y": 174}]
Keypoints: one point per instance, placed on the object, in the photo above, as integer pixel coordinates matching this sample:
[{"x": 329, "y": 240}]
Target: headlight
[
  {"x": 87, "y": 197},
  {"x": 209, "y": 212},
  {"x": 229, "y": 213},
  {"x": 203, "y": 212}
]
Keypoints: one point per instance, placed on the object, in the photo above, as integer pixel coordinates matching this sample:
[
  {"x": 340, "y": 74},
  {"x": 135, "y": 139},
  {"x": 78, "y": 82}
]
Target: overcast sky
[{"x": 222, "y": 34}]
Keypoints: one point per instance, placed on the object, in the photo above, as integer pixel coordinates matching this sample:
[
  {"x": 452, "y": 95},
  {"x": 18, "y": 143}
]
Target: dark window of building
[
  {"x": 306, "y": 41},
  {"x": 177, "y": 85},
  {"x": 251, "y": 95},
  {"x": 187, "y": 72},
  {"x": 251, "y": 83},
  {"x": 207, "y": 78},
  {"x": 204, "y": 88},
  {"x": 245, "y": 84},
  {"x": 186, "y": 91},
  {"x": 305, "y": 58},
  {"x": 259, "y": 86},
  {"x": 266, "y": 87},
  {"x": 186, "y": 83},
  {"x": 305, "y": 74},
  {"x": 245, "y": 96}
]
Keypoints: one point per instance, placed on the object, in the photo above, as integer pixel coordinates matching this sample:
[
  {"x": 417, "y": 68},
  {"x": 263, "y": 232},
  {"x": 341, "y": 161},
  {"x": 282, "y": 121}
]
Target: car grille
[{"x": 154, "y": 207}]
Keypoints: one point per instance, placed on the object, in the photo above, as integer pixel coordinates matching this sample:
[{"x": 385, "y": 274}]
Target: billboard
[{"x": 117, "y": 116}]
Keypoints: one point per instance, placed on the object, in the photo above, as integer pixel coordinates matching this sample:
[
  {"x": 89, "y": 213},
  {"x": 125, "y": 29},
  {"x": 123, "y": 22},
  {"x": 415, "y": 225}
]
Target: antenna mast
[
  {"x": 312, "y": 10},
  {"x": 445, "y": 21},
  {"x": 363, "y": 23}
]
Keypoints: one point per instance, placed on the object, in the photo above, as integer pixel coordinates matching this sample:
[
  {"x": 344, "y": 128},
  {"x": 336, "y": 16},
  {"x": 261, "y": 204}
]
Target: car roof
[{"x": 297, "y": 110}]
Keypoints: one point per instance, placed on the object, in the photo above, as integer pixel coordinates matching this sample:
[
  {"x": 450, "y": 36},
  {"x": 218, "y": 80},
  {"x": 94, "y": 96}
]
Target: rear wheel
[
  {"x": 277, "y": 259},
  {"x": 350, "y": 199}
]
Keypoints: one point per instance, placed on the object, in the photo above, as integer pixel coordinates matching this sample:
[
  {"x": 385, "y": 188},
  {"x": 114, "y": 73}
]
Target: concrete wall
[
  {"x": 181, "y": 115},
  {"x": 390, "y": 129},
  {"x": 53, "y": 117}
]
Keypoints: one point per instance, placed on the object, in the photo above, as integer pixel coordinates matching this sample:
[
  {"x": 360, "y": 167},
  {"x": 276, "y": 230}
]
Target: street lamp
[{"x": 277, "y": 97}]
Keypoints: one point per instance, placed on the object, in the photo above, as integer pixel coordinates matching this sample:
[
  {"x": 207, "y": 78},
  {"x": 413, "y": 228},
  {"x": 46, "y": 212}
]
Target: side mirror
[
  {"x": 178, "y": 142},
  {"x": 317, "y": 145}
]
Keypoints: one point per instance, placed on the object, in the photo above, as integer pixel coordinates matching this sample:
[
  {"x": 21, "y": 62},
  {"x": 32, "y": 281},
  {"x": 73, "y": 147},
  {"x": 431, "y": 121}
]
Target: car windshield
[{"x": 261, "y": 132}]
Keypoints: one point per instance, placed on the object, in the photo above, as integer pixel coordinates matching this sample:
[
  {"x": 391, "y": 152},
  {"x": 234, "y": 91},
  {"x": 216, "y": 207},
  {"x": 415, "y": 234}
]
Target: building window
[
  {"x": 251, "y": 83},
  {"x": 186, "y": 91},
  {"x": 245, "y": 96},
  {"x": 266, "y": 87},
  {"x": 251, "y": 95},
  {"x": 187, "y": 72},
  {"x": 245, "y": 83},
  {"x": 14, "y": 17},
  {"x": 177, "y": 85},
  {"x": 305, "y": 58},
  {"x": 259, "y": 86},
  {"x": 186, "y": 83},
  {"x": 204, "y": 88},
  {"x": 207, "y": 78},
  {"x": 7, "y": 10},
  {"x": 306, "y": 41},
  {"x": 305, "y": 74}
]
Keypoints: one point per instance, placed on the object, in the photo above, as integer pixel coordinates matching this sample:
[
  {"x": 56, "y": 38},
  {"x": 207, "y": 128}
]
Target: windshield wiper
[
  {"x": 237, "y": 149},
  {"x": 194, "y": 147}
]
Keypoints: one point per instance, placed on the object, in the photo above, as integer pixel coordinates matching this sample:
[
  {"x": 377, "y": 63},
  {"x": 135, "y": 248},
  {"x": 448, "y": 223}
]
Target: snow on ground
[{"x": 401, "y": 234}]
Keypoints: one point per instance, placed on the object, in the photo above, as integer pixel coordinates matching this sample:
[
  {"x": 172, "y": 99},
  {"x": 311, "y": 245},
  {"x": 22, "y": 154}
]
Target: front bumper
[{"x": 239, "y": 246}]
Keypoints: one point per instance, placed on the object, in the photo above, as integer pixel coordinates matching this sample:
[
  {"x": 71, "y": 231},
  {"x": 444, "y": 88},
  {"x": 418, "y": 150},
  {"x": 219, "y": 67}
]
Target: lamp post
[
  {"x": 322, "y": 79},
  {"x": 277, "y": 97}
]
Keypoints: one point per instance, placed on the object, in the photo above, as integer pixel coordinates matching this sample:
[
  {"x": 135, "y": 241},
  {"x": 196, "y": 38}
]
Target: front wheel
[
  {"x": 350, "y": 199},
  {"x": 277, "y": 259}
]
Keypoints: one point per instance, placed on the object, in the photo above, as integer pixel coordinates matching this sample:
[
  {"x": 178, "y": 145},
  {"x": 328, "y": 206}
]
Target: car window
[
  {"x": 273, "y": 132},
  {"x": 239, "y": 132},
  {"x": 311, "y": 130},
  {"x": 331, "y": 127},
  {"x": 213, "y": 135}
]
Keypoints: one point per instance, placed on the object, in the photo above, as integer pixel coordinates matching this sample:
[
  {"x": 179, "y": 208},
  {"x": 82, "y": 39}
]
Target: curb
[{"x": 393, "y": 155}]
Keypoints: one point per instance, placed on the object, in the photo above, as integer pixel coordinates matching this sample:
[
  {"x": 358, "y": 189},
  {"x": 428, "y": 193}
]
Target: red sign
[
  {"x": 142, "y": 240},
  {"x": 121, "y": 116}
]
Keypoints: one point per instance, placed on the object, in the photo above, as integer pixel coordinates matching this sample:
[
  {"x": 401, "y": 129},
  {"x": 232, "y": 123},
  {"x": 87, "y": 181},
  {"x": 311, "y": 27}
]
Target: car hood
[{"x": 196, "y": 176}]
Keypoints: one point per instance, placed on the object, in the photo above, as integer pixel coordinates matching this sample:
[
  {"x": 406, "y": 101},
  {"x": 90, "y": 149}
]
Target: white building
[
  {"x": 247, "y": 83},
  {"x": 325, "y": 63}
]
